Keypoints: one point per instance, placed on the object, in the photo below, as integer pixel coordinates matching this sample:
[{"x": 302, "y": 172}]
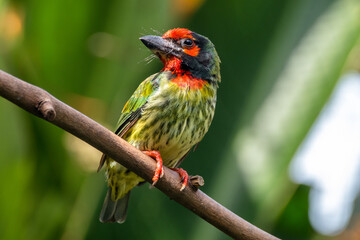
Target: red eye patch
[
  {"x": 194, "y": 51},
  {"x": 180, "y": 33}
]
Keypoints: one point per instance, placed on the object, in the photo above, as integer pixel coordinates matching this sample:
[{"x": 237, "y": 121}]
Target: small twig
[
  {"x": 40, "y": 103},
  {"x": 47, "y": 110},
  {"x": 197, "y": 181}
]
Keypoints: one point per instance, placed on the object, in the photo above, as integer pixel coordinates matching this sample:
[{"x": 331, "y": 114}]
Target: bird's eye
[{"x": 187, "y": 42}]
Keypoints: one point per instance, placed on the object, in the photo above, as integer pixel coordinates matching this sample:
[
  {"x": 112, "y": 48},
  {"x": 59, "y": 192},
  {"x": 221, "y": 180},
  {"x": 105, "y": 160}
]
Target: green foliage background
[{"x": 87, "y": 54}]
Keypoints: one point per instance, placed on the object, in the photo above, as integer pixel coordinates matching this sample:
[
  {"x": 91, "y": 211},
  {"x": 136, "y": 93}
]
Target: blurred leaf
[{"x": 284, "y": 102}]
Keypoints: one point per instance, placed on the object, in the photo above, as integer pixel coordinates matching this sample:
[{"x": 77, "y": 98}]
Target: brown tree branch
[{"x": 40, "y": 103}]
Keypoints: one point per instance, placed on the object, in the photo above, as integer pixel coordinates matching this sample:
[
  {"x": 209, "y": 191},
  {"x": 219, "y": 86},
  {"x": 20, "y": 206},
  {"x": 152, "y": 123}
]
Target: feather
[
  {"x": 114, "y": 211},
  {"x": 132, "y": 109}
]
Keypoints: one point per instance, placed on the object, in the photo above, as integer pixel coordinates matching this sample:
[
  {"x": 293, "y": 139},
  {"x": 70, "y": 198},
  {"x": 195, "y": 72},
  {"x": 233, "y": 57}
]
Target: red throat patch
[
  {"x": 187, "y": 81},
  {"x": 172, "y": 64}
]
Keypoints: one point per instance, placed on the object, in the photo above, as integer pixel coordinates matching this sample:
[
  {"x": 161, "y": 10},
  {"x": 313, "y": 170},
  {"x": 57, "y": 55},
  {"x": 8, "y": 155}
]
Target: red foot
[
  {"x": 183, "y": 175},
  {"x": 159, "y": 171}
]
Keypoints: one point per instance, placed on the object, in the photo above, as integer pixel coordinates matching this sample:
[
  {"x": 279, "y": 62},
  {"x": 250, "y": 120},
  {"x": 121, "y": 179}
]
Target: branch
[{"x": 40, "y": 103}]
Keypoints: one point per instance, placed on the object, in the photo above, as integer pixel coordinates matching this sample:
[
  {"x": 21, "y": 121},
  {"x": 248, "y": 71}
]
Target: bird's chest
[{"x": 174, "y": 120}]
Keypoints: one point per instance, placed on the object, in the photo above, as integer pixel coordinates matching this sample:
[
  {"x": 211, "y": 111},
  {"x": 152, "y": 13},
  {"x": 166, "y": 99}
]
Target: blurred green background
[{"x": 280, "y": 62}]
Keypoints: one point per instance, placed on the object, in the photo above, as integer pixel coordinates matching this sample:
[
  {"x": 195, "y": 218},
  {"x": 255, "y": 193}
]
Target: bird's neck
[
  {"x": 173, "y": 65},
  {"x": 189, "y": 82},
  {"x": 182, "y": 78}
]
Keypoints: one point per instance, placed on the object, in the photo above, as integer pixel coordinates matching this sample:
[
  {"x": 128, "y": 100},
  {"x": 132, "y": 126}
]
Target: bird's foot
[
  {"x": 159, "y": 171},
  {"x": 183, "y": 175}
]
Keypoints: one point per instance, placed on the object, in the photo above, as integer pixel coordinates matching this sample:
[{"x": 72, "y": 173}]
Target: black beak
[{"x": 160, "y": 45}]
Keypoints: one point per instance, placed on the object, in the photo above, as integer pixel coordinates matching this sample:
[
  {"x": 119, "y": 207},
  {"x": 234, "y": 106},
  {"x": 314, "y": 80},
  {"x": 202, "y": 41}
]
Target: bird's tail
[{"x": 114, "y": 211}]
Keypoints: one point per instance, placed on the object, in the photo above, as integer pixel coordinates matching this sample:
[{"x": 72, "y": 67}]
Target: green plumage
[{"x": 161, "y": 115}]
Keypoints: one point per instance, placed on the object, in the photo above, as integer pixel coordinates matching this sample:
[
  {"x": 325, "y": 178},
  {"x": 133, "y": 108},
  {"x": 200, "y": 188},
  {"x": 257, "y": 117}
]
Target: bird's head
[{"x": 185, "y": 52}]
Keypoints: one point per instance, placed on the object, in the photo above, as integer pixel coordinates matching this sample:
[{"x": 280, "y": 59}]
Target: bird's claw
[
  {"x": 159, "y": 171},
  {"x": 182, "y": 187},
  {"x": 162, "y": 172},
  {"x": 158, "y": 175},
  {"x": 183, "y": 175}
]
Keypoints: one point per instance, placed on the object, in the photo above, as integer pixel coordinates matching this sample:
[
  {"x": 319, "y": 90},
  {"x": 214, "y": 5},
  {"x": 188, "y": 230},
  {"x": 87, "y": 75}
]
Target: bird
[{"x": 167, "y": 115}]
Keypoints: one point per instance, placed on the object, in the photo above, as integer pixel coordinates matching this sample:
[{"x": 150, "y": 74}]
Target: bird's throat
[
  {"x": 172, "y": 64},
  {"x": 182, "y": 78},
  {"x": 189, "y": 82}
]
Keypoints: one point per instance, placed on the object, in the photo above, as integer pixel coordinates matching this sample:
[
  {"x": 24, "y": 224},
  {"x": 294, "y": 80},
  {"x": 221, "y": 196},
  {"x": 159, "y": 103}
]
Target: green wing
[{"x": 132, "y": 109}]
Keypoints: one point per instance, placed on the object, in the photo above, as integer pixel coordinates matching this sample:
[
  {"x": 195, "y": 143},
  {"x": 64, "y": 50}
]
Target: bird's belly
[{"x": 171, "y": 130}]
